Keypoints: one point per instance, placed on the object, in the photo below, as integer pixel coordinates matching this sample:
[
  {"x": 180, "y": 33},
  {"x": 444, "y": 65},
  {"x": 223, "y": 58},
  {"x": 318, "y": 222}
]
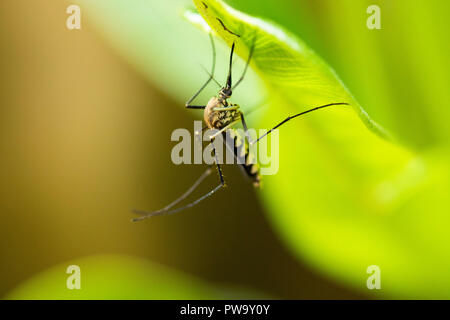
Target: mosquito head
[{"x": 225, "y": 93}]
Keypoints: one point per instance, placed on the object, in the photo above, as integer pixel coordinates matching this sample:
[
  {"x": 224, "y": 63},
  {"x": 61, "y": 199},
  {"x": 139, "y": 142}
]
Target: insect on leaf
[
  {"x": 342, "y": 189},
  {"x": 286, "y": 64}
]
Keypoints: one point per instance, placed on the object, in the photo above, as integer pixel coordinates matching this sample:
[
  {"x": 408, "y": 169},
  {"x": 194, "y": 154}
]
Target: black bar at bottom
[{"x": 226, "y": 309}]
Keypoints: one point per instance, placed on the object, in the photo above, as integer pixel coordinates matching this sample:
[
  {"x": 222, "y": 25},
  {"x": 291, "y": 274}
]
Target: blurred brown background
[{"x": 84, "y": 139}]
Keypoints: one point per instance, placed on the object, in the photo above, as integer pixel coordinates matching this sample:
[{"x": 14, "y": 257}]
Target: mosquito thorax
[{"x": 218, "y": 119}]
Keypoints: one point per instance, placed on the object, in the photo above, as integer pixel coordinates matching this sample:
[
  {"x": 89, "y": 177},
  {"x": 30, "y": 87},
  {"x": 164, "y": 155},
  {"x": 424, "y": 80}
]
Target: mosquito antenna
[
  {"x": 299, "y": 114},
  {"x": 212, "y": 77},
  {"x": 252, "y": 49},
  {"x": 231, "y": 67}
]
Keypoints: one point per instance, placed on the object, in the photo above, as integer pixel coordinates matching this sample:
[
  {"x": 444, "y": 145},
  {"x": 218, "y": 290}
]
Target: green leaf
[
  {"x": 344, "y": 198},
  {"x": 289, "y": 68},
  {"x": 108, "y": 277}
]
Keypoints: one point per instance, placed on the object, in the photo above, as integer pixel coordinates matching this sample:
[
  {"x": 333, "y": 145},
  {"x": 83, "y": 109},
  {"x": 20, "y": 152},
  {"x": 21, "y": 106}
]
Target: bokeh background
[{"x": 85, "y": 137}]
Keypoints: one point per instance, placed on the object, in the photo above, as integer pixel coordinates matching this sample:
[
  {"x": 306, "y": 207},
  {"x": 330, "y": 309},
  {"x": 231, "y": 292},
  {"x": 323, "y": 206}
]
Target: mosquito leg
[
  {"x": 182, "y": 197},
  {"x": 211, "y": 76},
  {"x": 210, "y": 193},
  {"x": 299, "y": 114},
  {"x": 223, "y": 129},
  {"x": 198, "y": 134},
  {"x": 229, "y": 108},
  {"x": 246, "y": 65},
  {"x": 247, "y": 134},
  {"x": 195, "y": 107}
]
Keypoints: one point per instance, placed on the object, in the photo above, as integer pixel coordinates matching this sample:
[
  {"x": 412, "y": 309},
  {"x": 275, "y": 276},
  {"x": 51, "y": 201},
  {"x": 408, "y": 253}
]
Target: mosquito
[{"x": 221, "y": 115}]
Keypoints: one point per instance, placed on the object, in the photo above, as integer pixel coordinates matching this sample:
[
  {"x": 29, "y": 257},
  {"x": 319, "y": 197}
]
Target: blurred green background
[{"x": 85, "y": 128}]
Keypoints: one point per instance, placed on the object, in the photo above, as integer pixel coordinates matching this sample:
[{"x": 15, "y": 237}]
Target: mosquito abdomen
[{"x": 241, "y": 151}]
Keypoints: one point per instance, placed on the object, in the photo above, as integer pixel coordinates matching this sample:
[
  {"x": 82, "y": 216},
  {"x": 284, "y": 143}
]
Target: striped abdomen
[{"x": 243, "y": 157}]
